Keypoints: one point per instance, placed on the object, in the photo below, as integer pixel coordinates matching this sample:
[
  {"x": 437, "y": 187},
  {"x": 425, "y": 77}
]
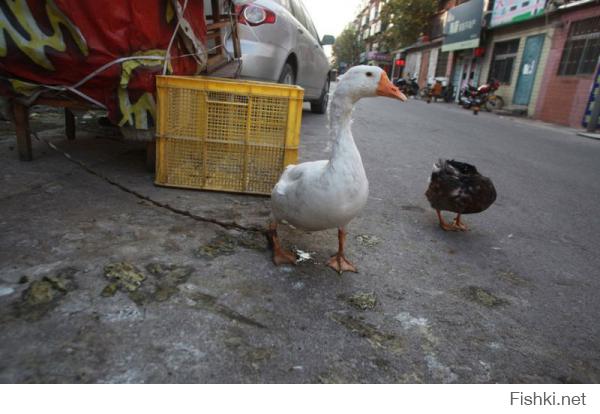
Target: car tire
[
  {"x": 320, "y": 106},
  {"x": 287, "y": 77}
]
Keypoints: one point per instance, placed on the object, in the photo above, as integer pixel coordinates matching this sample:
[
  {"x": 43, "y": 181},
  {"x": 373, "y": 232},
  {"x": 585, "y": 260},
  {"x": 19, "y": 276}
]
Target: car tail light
[{"x": 254, "y": 15}]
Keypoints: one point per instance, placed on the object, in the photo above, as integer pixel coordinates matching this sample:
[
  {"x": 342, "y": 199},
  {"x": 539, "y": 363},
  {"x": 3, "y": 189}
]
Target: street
[{"x": 513, "y": 300}]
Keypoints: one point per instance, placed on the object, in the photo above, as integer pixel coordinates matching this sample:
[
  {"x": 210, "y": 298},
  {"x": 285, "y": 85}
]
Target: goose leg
[
  {"x": 338, "y": 262},
  {"x": 458, "y": 224},
  {"x": 280, "y": 256},
  {"x": 445, "y": 226}
]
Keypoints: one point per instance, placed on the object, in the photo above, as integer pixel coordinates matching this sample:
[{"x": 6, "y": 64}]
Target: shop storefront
[
  {"x": 462, "y": 37},
  {"x": 518, "y": 45}
]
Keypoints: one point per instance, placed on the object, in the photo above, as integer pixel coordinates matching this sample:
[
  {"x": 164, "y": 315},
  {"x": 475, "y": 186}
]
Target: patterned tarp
[{"x": 103, "y": 52}]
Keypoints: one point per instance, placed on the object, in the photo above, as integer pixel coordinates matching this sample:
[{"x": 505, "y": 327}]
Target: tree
[
  {"x": 347, "y": 47},
  {"x": 406, "y": 21}
]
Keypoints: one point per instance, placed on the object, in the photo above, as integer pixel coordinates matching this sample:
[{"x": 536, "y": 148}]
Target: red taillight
[{"x": 254, "y": 15}]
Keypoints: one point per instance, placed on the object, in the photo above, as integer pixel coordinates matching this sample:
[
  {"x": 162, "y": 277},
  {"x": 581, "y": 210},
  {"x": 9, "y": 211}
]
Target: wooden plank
[
  {"x": 215, "y": 62},
  {"x": 21, "y": 114},
  {"x": 218, "y": 17},
  {"x": 69, "y": 124},
  {"x": 237, "y": 48},
  {"x": 217, "y": 26},
  {"x": 63, "y": 103},
  {"x": 214, "y": 35},
  {"x": 216, "y": 10}
]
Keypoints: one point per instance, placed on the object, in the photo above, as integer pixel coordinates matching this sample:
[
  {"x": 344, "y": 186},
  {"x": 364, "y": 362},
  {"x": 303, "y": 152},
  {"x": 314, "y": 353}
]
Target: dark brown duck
[{"x": 458, "y": 187}]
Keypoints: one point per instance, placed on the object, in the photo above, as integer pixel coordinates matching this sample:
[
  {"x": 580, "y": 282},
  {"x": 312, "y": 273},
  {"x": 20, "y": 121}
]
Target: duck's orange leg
[
  {"x": 338, "y": 262},
  {"x": 445, "y": 226},
  {"x": 280, "y": 256},
  {"x": 459, "y": 225}
]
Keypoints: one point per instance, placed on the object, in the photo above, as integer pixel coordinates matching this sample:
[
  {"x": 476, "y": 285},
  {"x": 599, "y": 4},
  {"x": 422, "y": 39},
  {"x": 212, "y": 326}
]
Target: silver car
[{"x": 279, "y": 43}]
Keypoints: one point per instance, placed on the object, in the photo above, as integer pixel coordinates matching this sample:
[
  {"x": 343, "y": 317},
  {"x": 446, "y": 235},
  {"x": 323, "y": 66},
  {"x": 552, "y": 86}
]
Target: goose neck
[
  {"x": 343, "y": 149},
  {"x": 340, "y": 114}
]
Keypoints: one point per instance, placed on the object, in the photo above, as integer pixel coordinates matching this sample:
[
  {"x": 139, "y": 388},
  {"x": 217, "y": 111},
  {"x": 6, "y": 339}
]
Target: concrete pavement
[{"x": 98, "y": 285}]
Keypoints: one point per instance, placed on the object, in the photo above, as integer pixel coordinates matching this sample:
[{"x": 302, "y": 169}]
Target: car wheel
[
  {"x": 320, "y": 106},
  {"x": 288, "y": 77}
]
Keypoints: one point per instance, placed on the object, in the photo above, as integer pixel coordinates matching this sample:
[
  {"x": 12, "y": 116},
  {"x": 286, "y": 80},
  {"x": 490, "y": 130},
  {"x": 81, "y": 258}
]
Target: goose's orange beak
[{"x": 387, "y": 88}]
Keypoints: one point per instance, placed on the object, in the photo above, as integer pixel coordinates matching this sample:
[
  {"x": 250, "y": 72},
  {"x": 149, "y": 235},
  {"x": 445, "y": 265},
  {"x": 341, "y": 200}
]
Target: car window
[
  {"x": 310, "y": 25},
  {"x": 298, "y": 12},
  {"x": 285, "y": 3}
]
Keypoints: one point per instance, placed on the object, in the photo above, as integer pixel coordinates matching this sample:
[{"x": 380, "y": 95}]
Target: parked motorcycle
[
  {"x": 409, "y": 86},
  {"x": 437, "y": 88},
  {"x": 482, "y": 96}
]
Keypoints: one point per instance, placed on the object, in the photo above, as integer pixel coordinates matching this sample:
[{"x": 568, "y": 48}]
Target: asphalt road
[{"x": 513, "y": 300}]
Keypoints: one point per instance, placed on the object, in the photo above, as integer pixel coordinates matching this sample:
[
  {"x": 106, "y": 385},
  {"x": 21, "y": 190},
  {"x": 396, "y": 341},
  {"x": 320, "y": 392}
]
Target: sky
[{"x": 331, "y": 16}]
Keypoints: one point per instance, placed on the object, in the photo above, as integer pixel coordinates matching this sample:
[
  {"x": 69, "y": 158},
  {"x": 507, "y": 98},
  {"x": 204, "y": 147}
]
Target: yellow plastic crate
[{"x": 226, "y": 135}]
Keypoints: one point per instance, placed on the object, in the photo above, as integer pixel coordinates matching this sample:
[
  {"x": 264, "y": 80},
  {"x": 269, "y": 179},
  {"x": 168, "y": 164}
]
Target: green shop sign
[{"x": 463, "y": 26}]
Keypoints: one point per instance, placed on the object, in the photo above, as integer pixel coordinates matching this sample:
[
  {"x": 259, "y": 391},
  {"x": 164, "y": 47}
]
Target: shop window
[
  {"x": 503, "y": 60},
  {"x": 442, "y": 64},
  {"x": 582, "y": 48}
]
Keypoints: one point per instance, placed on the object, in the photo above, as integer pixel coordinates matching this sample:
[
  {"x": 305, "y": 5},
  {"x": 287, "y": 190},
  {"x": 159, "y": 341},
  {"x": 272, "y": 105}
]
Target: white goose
[{"x": 326, "y": 194}]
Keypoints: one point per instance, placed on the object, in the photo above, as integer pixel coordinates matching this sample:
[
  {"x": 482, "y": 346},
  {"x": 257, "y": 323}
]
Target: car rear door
[
  {"x": 319, "y": 66},
  {"x": 305, "y": 45}
]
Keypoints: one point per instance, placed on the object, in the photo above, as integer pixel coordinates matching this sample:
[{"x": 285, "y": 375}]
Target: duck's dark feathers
[{"x": 458, "y": 187}]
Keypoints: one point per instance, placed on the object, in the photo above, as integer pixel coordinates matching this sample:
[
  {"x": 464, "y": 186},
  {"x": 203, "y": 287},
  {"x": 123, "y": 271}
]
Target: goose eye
[{"x": 369, "y": 74}]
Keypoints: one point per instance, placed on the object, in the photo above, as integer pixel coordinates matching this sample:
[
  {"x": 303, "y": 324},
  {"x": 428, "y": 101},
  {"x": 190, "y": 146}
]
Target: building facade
[
  {"x": 572, "y": 66},
  {"x": 516, "y": 55},
  {"x": 370, "y": 27},
  {"x": 545, "y": 53},
  {"x": 428, "y": 59}
]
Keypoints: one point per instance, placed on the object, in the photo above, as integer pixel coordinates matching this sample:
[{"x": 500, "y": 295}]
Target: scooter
[
  {"x": 482, "y": 96},
  {"x": 437, "y": 88},
  {"x": 408, "y": 87}
]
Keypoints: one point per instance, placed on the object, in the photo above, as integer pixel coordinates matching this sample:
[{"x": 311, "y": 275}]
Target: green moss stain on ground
[
  {"x": 43, "y": 295},
  {"x": 225, "y": 244},
  {"x": 376, "y": 337},
  {"x": 513, "y": 278},
  {"x": 367, "y": 240},
  {"x": 40, "y": 292},
  {"x": 252, "y": 240},
  {"x": 163, "y": 284},
  {"x": 210, "y": 303},
  {"x": 333, "y": 377},
  {"x": 257, "y": 356},
  {"x": 483, "y": 297},
  {"x": 122, "y": 276},
  {"x": 158, "y": 284},
  {"x": 362, "y": 301},
  {"x": 222, "y": 245}
]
